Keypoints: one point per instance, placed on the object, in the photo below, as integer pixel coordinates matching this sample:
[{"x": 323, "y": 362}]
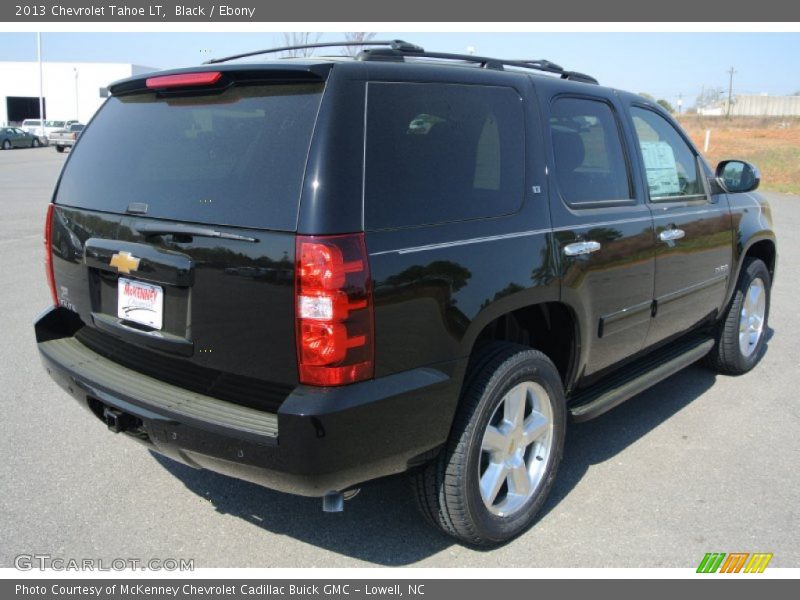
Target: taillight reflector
[
  {"x": 183, "y": 80},
  {"x": 48, "y": 253},
  {"x": 333, "y": 304}
]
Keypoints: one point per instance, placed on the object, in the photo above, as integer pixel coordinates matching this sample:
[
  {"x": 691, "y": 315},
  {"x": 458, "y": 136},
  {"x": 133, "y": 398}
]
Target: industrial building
[
  {"x": 71, "y": 90},
  {"x": 754, "y": 106}
]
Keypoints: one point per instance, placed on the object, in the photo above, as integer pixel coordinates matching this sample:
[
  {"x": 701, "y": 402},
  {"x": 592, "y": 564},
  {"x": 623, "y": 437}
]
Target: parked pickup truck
[
  {"x": 325, "y": 270},
  {"x": 66, "y": 138}
]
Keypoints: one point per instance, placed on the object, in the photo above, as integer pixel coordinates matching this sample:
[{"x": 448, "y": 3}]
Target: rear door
[
  {"x": 174, "y": 234},
  {"x": 603, "y": 227},
  {"x": 692, "y": 227}
]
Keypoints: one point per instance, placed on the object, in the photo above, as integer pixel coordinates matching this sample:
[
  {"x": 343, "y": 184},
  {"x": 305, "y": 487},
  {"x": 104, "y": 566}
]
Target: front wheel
[
  {"x": 489, "y": 482},
  {"x": 741, "y": 335}
]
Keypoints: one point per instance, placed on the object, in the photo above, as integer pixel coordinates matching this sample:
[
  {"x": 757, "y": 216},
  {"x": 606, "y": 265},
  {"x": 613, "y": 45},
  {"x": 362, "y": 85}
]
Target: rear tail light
[
  {"x": 333, "y": 293},
  {"x": 74, "y": 136},
  {"x": 48, "y": 253}
]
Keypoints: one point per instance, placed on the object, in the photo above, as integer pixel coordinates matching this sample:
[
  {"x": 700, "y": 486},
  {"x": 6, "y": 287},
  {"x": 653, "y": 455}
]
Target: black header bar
[{"x": 464, "y": 11}]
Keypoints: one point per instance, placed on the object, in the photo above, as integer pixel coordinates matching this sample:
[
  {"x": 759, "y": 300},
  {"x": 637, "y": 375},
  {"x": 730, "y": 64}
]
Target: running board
[{"x": 616, "y": 389}]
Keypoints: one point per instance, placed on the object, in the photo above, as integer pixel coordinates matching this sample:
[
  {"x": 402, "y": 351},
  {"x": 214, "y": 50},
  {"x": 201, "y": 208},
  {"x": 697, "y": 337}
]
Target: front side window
[
  {"x": 590, "y": 161},
  {"x": 437, "y": 153},
  {"x": 669, "y": 162}
]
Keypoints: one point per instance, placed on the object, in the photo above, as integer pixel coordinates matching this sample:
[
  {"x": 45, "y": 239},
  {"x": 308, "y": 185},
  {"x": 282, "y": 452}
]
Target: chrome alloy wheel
[
  {"x": 751, "y": 319},
  {"x": 515, "y": 448}
]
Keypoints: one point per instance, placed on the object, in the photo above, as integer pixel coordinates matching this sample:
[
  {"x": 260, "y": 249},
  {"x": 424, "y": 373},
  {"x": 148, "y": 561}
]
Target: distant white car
[{"x": 35, "y": 127}]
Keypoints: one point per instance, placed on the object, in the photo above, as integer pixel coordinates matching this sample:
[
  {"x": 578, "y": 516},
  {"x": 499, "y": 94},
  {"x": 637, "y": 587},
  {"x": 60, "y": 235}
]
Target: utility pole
[
  {"x": 77, "y": 107},
  {"x": 680, "y": 103},
  {"x": 730, "y": 92},
  {"x": 41, "y": 82}
]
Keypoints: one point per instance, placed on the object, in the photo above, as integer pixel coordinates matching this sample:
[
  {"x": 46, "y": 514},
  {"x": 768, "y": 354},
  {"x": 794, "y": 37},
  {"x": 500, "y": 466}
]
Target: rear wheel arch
[
  {"x": 526, "y": 326},
  {"x": 450, "y": 489},
  {"x": 550, "y": 327}
]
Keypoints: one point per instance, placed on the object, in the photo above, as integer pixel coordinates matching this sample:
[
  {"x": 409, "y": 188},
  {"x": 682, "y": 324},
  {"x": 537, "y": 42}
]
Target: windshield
[{"x": 231, "y": 158}]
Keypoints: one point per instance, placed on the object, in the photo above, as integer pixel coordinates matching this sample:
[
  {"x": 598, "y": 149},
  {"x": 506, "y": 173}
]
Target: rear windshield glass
[{"x": 235, "y": 158}]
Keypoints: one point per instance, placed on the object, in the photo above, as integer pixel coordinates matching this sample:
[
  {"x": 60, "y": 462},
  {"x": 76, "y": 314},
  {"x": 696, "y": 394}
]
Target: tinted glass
[
  {"x": 235, "y": 158},
  {"x": 669, "y": 162},
  {"x": 590, "y": 161},
  {"x": 437, "y": 153}
]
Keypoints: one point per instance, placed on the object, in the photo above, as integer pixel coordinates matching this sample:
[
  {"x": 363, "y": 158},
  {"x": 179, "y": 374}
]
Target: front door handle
[
  {"x": 669, "y": 235},
  {"x": 580, "y": 248}
]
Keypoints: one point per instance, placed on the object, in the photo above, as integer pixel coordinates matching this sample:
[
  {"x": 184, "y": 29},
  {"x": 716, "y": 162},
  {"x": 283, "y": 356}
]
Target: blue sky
[{"x": 662, "y": 64}]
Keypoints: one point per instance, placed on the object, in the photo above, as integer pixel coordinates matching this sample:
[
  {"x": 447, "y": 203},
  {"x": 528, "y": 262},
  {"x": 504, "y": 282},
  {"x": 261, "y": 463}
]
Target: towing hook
[{"x": 116, "y": 420}]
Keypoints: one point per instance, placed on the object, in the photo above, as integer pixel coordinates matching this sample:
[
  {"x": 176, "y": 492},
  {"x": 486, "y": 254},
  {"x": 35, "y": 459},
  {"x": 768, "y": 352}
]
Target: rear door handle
[
  {"x": 669, "y": 235},
  {"x": 580, "y": 248}
]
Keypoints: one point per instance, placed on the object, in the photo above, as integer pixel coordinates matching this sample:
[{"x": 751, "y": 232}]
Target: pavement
[{"x": 700, "y": 463}]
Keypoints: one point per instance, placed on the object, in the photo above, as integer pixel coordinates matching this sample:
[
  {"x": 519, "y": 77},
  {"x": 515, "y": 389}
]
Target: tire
[
  {"x": 741, "y": 334},
  {"x": 6, "y": 145},
  {"x": 35, "y": 143},
  {"x": 59, "y": 148},
  {"x": 448, "y": 490}
]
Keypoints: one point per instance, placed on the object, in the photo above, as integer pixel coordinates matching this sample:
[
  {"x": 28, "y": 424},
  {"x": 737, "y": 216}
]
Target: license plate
[{"x": 140, "y": 302}]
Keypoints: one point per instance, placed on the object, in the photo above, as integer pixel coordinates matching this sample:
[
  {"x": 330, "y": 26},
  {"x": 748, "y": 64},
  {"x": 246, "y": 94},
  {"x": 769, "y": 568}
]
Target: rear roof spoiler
[{"x": 242, "y": 72}]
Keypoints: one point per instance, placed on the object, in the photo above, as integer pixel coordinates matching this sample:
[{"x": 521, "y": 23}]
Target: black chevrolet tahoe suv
[{"x": 311, "y": 273}]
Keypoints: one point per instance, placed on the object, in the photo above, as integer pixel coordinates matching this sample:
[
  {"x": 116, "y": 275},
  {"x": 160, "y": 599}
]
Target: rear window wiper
[{"x": 190, "y": 230}]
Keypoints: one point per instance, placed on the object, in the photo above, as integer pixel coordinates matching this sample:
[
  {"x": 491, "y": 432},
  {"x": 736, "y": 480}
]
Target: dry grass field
[{"x": 772, "y": 144}]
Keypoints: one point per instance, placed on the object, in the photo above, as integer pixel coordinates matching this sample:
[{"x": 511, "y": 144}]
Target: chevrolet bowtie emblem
[{"x": 125, "y": 262}]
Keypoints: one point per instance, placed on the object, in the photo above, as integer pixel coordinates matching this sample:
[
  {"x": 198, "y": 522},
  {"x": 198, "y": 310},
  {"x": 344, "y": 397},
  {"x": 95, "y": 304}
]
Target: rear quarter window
[
  {"x": 231, "y": 158},
  {"x": 438, "y": 153}
]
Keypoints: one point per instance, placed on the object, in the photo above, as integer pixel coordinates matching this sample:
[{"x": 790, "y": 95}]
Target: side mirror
[{"x": 738, "y": 176}]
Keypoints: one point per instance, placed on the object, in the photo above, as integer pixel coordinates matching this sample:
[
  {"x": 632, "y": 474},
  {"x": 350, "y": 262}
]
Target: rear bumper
[{"x": 320, "y": 440}]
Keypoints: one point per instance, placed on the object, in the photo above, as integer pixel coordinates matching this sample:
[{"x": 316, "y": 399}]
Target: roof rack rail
[
  {"x": 399, "y": 50},
  {"x": 397, "y": 45},
  {"x": 485, "y": 62}
]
